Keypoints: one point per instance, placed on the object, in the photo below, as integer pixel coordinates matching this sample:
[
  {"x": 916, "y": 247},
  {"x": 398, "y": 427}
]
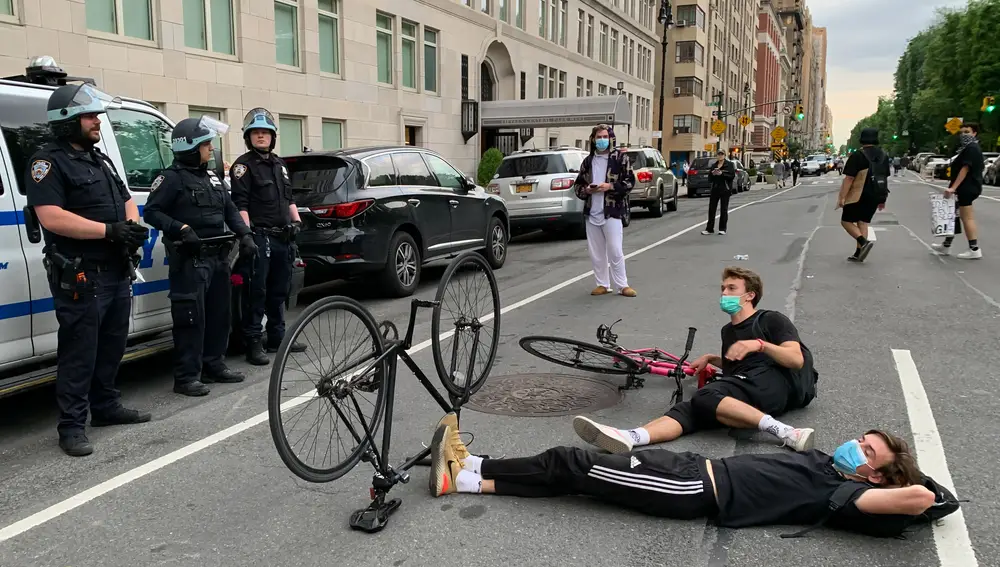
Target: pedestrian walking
[
  {"x": 779, "y": 174},
  {"x": 796, "y": 167},
  {"x": 192, "y": 208},
  {"x": 966, "y": 185},
  {"x": 91, "y": 229},
  {"x": 262, "y": 191},
  {"x": 721, "y": 175},
  {"x": 865, "y": 189},
  {"x": 897, "y": 164},
  {"x": 685, "y": 166},
  {"x": 605, "y": 179}
]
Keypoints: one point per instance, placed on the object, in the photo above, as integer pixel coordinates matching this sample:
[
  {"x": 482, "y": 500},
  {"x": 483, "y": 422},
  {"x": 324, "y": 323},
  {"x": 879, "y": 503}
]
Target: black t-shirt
[
  {"x": 771, "y": 326},
  {"x": 792, "y": 488},
  {"x": 971, "y": 156},
  {"x": 859, "y": 164}
]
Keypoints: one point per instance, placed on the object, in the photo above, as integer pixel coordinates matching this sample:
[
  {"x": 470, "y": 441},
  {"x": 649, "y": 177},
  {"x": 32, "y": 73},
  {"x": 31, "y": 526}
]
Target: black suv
[{"x": 383, "y": 212}]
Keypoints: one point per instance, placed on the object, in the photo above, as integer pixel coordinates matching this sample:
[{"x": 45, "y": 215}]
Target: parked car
[
  {"x": 537, "y": 187},
  {"x": 813, "y": 165},
  {"x": 935, "y": 165},
  {"x": 383, "y": 212},
  {"x": 655, "y": 185},
  {"x": 699, "y": 177},
  {"x": 991, "y": 175}
]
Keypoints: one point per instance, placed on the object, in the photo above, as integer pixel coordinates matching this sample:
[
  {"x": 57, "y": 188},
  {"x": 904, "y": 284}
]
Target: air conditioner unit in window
[
  {"x": 682, "y": 24},
  {"x": 677, "y": 91}
]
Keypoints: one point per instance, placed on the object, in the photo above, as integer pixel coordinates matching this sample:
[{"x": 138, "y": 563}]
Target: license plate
[{"x": 523, "y": 188}]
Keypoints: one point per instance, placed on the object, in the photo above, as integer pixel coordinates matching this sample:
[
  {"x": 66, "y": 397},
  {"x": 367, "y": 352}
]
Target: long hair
[
  {"x": 902, "y": 471},
  {"x": 593, "y": 137}
]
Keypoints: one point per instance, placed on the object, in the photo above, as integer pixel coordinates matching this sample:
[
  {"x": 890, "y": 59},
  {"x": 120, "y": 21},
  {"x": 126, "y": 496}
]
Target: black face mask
[{"x": 190, "y": 159}]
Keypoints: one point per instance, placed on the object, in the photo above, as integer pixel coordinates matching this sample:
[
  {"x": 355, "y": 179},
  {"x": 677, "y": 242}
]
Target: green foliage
[
  {"x": 488, "y": 166},
  {"x": 945, "y": 72}
]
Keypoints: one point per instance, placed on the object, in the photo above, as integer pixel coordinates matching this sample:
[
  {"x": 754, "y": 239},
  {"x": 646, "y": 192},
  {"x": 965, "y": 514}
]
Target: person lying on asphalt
[
  {"x": 760, "y": 348},
  {"x": 885, "y": 490}
]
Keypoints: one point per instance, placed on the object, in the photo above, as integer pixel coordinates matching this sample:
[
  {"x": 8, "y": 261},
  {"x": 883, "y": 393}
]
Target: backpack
[
  {"x": 803, "y": 381},
  {"x": 877, "y": 184}
]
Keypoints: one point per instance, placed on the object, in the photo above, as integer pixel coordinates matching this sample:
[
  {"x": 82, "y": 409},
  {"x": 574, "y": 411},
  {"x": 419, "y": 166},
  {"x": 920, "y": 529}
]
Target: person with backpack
[
  {"x": 865, "y": 190},
  {"x": 869, "y": 485},
  {"x": 766, "y": 371}
]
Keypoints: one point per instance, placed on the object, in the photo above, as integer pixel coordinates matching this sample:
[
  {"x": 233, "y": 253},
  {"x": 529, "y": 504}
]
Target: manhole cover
[{"x": 538, "y": 395}]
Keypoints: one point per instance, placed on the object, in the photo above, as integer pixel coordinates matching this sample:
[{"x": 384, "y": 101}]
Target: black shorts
[
  {"x": 862, "y": 211},
  {"x": 767, "y": 391},
  {"x": 965, "y": 198}
]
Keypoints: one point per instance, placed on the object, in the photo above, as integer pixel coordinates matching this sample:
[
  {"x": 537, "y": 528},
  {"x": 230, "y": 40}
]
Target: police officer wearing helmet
[
  {"x": 192, "y": 208},
  {"x": 91, "y": 229},
  {"x": 262, "y": 192}
]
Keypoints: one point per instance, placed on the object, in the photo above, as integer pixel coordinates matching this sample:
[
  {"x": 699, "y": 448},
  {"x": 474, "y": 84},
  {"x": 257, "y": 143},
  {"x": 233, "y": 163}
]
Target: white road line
[
  {"x": 77, "y": 500},
  {"x": 951, "y": 537},
  {"x": 942, "y": 188}
]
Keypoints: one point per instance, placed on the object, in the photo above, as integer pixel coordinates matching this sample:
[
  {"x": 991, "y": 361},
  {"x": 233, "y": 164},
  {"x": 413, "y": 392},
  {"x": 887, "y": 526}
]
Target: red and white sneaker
[
  {"x": 800, "y": 439},
  {"x": 602, "y": 436}
]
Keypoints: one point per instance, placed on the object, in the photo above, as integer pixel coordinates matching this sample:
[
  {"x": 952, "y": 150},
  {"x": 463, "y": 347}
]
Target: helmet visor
[
  {"x": 87, "y": 99},
  {"x": 212, "y": 125}
]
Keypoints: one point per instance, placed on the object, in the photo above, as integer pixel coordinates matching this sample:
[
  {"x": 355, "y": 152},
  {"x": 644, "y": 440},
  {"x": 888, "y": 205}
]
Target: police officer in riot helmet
[
  {"x": 191, "y": 206},
  {"x": 92, "y": 236},
  {"x": 262, "y": 192}
]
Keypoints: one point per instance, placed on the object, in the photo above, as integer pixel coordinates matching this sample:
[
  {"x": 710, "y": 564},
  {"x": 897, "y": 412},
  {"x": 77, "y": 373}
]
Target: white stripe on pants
[{"x": 605, "y": 245}]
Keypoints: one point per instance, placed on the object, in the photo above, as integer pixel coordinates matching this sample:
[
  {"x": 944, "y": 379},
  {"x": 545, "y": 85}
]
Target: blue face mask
[
  {"x": 602, "y": 144},
  {"x": 849, "y": 456},
  {"x": 730, "y": 304}
]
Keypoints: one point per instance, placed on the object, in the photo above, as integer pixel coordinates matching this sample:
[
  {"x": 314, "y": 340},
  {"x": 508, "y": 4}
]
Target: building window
[
  {"x": 590, "y": 88},
  {"x": 543, "y": 18},
  {"x": 542, "y": 74},
  {"x": 329, "y": 37},
  {"x": 553, "y": 142},
  {"x": 504, "y": 14},
  {"x": 131, "y": 18},
  {"x": 581, "y": 33},
  {"x": 209, "y": 23},
  {"x": 562, "y": 84},
  {"x": 691, "y": 15},
  {"x": 689, "y": 86},
  {"x": 211, "y": 113},
  {"x": 519, "y": 13},
  {"x": 614, "y": 49},
  {"x": 563, "y": 9},
  {"x": 383, "y": 40},
  {"x": 686, "y": 124},
  {"x": 286, "y": 33},
  {"x": 552, "y": 82},
  {"x": 624, "y": 53},
  {"x": 590, "y": 36},
  {"x": 465, "y": 77},
  {"x": 484, "y": 6},
  {"x": 579, "y": 87},
  {"x": 602, "y": 90},
  {"x": 604, "y": 44},
  {"x": 430, "y": 60},
  {"x": 689, "y": 52},
  {"x": 6, "y": 9},
  {"x": 631, "y": 57},
  {"x": 524, "y": 79},
  {"x": 412, "y": 137},
  {"x": 291, "y": 135},
  {"x": 333, "y": 135},
  {"x": 408, "y": 31}
]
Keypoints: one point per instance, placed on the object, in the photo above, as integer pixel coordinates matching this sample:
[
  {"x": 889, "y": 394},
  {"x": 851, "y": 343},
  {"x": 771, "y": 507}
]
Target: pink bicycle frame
[{"x": 663, "y": 368}]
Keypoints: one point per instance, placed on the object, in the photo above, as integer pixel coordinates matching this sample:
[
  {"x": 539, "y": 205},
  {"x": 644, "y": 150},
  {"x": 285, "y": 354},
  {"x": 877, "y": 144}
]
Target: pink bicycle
[{"x": 610, "y": 358}]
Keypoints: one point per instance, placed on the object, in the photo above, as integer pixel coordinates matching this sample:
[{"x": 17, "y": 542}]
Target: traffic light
[
  {"x": 895, "y": 137},
  {"x": 989, "y": 104},
  {"x": 800, "y": 112}
]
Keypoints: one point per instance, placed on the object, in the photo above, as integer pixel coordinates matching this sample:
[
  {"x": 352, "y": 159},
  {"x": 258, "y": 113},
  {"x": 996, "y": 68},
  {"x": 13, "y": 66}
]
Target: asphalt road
[{"x": 226, "y": 499}]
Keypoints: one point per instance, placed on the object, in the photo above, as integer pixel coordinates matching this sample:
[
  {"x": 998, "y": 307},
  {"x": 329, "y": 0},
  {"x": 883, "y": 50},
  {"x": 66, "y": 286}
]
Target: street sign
[
  {"x": 906, "y": 132},
  {"x": 779, "y": 146},
  {"x": 745, "y": 121},
  {"x": 713, "y": 103},
  {"x": 709, "y": 147},
  {"x": 718, "y": 127},
  {"x": 778, "y": 133},
  {"x": 657, "y": 134},
  {"x": 953, "y": 125}
]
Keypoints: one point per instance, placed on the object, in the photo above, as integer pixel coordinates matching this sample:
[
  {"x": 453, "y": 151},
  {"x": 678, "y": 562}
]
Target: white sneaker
[
  {"x": 706, "y": 232},
  {"x": 941, "y": 249},
  {"x": 722, "y": 233},
  {"x": 971, "y": 254},
  {"x": 800, "y": 439},
  {"x": 608, "y": 438}
]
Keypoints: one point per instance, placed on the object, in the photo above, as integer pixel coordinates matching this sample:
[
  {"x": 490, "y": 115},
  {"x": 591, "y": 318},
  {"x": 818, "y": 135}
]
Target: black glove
[
  {"x": 189, "y": 237},
  {"x": 247, "y": 246},
  {"x": 295, "y": 229},
  {"x": 128, "y": 233}
]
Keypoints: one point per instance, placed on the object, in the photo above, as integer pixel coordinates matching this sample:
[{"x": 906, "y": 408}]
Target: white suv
[{"x": 537, "y": 186}]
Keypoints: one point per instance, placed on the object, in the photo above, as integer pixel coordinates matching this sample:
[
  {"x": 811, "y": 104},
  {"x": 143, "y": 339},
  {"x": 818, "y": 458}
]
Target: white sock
[
  {"x": 639, "y": 436},
  {"x": 473, "y": 464},
  {"x": 770, "y": 425},
  {"x": 468, "y": 482}
]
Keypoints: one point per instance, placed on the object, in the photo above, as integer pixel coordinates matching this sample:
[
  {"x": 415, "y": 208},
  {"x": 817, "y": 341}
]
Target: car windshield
[{"x": 523, "y": 166}]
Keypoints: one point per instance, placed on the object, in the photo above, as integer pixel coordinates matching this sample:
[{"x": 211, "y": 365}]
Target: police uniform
[
  {"x": 261, "y": 187},
  {"x": 89, "y": 279},
  {"x": 187, "y": 193}
]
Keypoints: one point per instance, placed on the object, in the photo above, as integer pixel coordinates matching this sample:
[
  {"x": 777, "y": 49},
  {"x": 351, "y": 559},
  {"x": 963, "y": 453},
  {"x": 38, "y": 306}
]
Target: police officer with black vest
[
  {"x": 262, "y": 192},
  {"x": 91, "y": 229},
  {"x": 191, "y": 206}
]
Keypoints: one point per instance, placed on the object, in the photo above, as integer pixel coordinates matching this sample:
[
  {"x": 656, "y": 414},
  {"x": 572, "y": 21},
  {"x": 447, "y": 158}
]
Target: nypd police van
[{"x": 136, "y": 137}]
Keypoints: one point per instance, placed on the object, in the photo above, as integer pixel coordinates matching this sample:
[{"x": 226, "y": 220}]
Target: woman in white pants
[{"x": 605, "y": 180}]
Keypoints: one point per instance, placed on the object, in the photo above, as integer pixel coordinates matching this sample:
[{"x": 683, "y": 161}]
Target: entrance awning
[{"x": 556, "y": 112}]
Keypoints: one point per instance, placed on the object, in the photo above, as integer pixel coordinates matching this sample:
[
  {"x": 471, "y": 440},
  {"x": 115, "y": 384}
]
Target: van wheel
[
  {"x": 672, "y": 204},
  {"x": 401, "y": 273}
]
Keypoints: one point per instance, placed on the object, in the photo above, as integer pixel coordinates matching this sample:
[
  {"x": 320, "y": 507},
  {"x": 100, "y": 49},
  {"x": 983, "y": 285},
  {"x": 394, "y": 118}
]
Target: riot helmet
[
  {"x": 259, "y": 118},
  {"x": 190, "y": 134},
  {"x": 69, "y": 103}
]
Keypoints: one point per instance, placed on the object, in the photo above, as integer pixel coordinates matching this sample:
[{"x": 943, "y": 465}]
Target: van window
[
  {"x": 25, "y": 129},
  {"x": 144, "y": 142}
]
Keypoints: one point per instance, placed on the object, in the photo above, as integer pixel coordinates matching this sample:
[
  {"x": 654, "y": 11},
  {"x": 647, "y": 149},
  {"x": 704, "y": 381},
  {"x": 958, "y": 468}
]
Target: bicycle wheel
[
  {"x": 333, "y": 384},
  {"x": 469, "y": 301},
  {"x": 580, "y": 355}
]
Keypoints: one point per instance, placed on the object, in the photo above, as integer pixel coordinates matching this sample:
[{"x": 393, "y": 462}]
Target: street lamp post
[
  {"x": 743, "y": 153},
  {"x": 666, "y": 19}
]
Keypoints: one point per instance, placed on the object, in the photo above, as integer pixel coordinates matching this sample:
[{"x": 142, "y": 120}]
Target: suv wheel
[
  {"x": 672, "y": 204},
  {"x": 656, "y": 209},
  {"x": 496, "y": 244},
  {"x": 402, "y": 267},
  {"x": 627, "y": 213}
]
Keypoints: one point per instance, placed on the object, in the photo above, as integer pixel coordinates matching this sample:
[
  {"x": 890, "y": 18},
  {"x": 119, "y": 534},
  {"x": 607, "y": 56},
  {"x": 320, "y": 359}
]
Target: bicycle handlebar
[{"x": 690, "y": 341}]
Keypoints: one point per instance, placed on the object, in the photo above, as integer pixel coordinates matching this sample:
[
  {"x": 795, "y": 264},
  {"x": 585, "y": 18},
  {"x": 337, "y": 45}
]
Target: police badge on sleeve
[
  {"x": 39, "y": 169},
  {"x": 156, "y": 183},
  {"x": 238, "y": 170}
]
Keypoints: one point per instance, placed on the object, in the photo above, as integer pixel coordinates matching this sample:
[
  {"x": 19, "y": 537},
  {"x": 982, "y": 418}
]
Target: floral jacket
[{"x": 620, "y": 175}]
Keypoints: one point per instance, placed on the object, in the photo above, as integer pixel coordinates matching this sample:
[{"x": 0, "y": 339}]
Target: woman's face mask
[{"x": 967, "y": 138}]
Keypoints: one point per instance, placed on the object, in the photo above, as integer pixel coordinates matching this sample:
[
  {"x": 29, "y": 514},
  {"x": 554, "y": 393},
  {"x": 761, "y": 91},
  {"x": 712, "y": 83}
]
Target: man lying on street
[
  {"x": 786, "y": 488},
  {"x": 759, "y": 349}
]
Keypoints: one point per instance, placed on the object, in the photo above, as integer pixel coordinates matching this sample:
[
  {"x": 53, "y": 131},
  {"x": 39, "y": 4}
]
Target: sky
[{"x": 865, "y": 39}]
